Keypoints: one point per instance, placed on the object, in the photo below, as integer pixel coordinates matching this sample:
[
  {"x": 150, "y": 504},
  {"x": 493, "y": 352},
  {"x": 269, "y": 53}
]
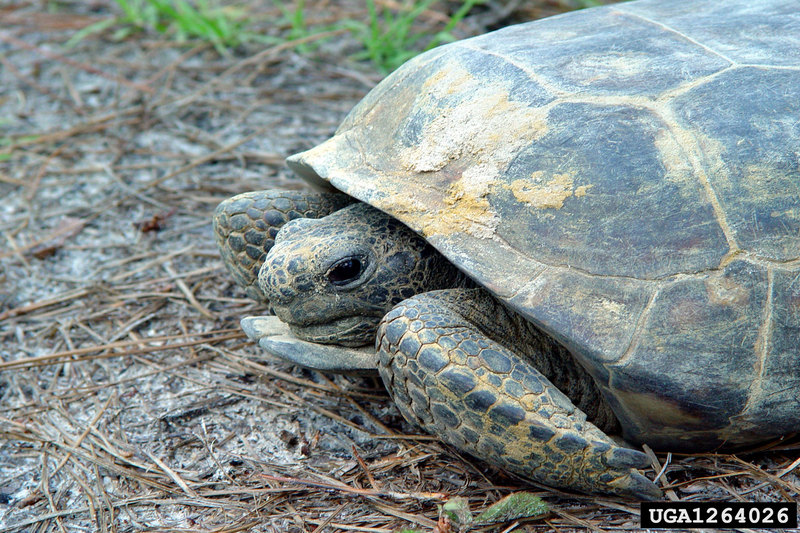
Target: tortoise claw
[
  {"x": 632, "y": 484},
  {"x": 637, "y": 486},
  {"x": 627, "y": 458}
]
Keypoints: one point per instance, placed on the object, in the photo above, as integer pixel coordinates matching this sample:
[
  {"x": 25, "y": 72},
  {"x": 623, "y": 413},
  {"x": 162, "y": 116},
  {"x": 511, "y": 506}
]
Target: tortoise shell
[{"x": 626, "y": 177}]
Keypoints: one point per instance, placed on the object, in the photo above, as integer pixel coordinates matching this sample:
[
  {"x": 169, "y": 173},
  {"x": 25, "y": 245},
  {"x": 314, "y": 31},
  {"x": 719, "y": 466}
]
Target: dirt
[{"x": 129, "y": 398}]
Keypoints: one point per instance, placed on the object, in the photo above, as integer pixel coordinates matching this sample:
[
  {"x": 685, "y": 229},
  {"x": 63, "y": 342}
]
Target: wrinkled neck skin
[{"x": 332, "y": 279}]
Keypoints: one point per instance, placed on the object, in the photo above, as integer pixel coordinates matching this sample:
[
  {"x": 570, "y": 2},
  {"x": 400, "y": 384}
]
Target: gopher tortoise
[{"x": 578, "y": 227}]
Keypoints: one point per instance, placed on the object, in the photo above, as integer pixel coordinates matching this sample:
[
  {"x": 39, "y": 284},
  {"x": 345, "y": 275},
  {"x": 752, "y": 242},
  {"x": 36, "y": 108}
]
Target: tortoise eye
[{"x": 345, "y": 271}]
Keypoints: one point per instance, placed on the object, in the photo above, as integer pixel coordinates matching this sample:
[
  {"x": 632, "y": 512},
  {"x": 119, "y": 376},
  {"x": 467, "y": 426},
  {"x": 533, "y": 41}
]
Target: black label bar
[{"x": 718, "y": 514}]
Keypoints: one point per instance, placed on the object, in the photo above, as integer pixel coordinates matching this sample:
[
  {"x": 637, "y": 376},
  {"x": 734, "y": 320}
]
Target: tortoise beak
[{"x": 276, "y": 338}]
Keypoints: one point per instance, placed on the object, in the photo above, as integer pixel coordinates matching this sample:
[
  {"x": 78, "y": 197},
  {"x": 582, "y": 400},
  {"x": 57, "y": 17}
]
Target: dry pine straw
[{"x": 129, "y": 399}]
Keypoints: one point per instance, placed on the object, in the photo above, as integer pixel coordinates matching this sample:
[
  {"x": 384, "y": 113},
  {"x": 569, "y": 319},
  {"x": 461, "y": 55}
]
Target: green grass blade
[{"x": 91, "y": 29}]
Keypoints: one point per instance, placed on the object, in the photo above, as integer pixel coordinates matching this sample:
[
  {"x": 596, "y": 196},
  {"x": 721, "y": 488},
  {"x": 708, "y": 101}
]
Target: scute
[
  {"x": 750, "y": 141},
  {"x": 754, "y": 33},
  {"x": 602, "y": 197},
  {"x": 601, "y": 52},
  {"x": 703, "y": 373},
  {"x": 596, "y": 318},
  {"x": 771, "y": 405}
]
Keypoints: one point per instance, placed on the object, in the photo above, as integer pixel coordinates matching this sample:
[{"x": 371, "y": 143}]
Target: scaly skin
[
  {"x": 457, "y": 362},
  {"x": 245, "y": 227}
]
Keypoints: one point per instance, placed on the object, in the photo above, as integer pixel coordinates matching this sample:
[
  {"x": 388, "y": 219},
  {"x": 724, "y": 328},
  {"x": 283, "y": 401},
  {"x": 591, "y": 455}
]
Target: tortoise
[{"x": 557, "y": 234}]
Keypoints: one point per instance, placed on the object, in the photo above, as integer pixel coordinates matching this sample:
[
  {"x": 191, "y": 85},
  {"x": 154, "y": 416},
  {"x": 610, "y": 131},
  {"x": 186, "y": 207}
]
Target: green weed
[
  {"x": 569, "y": 5},
  {"x": 23, "y": 139},
  {"x": 297, "y": 23},
  {"x": 223, "y": 27},
  {"x": 7, "y": 144},
  {"x": 511, "y": 507},
  {"x": 388, "y": 38}
]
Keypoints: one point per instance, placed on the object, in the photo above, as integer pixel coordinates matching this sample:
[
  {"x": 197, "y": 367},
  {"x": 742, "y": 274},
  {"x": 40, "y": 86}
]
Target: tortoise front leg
[
  {"x": 455, "y": 382},
  {"x": 245, "y": 227}
]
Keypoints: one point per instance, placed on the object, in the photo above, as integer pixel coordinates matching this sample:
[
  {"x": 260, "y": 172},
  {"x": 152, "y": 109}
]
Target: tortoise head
[{"x": 332, "y": 279}]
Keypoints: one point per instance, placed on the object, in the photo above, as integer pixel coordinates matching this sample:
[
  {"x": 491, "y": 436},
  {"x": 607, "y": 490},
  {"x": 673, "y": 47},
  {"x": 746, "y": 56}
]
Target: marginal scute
[
  {"x": 594, "y": 317},
  {"x": 709, "y": 378},
  {"x": 779, "y": 370},
  {"x": 453, "y": 138}
]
